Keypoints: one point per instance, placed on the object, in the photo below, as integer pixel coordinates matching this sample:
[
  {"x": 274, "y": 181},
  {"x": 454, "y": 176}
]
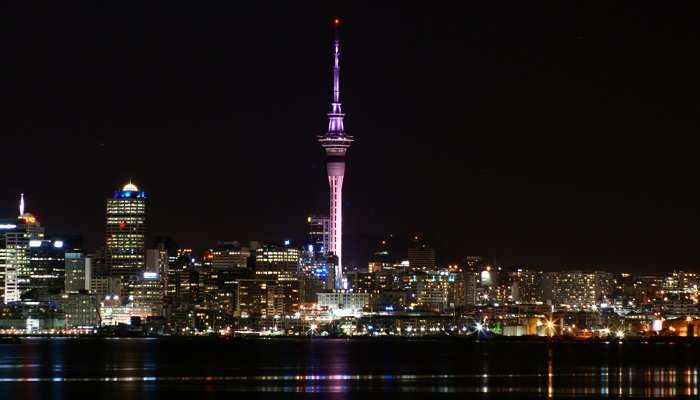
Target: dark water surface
[{"x": 338, "y": 369}]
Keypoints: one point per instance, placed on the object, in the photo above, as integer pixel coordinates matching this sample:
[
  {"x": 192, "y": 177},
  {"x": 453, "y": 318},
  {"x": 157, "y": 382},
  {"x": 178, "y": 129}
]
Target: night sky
[{"x": 544, "y": 134}]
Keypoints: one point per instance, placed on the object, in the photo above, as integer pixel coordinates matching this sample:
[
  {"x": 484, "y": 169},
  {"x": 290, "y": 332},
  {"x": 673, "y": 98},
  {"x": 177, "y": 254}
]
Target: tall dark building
[
  {"x": 46, "y": 267},
  {"x": 125, "y": 232},
  {"x": 319, "y": 234},
  {"x": 420, "y": 255}
]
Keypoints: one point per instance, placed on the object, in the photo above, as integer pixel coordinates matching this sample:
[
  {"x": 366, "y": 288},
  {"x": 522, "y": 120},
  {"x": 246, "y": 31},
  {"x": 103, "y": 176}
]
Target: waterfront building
[
  {"x": 344, "y": 302},
  {"x": 115, "y": 310},
  {"x": 81, "y": 309},
  {"x": 125, "y": 232},
  {"x": 32, "y": 316}
]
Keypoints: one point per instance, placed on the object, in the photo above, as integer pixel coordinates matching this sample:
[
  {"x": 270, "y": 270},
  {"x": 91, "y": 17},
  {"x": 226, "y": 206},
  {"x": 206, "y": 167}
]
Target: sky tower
[{"x": 336, "y": 144}]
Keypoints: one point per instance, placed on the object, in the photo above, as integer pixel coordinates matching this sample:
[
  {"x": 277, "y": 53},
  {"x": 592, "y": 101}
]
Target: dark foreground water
[{"x": 339, "y": 369}]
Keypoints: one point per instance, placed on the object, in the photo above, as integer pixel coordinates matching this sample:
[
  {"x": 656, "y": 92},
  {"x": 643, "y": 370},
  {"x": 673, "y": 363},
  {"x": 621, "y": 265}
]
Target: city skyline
[
  {"x": 556, "y": 170},
  {"x": 182, "y": 214}
]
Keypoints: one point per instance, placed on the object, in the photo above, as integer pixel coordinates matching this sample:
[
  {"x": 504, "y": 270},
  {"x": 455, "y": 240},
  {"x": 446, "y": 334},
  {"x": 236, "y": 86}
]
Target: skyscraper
[
  {"x": 319, "y": 234},
  {"x": 420, "y": 255},
  {"x": 78, "y": 271},
  {"x": 125, "y": 232},
  {"x": 336, "y": 144},
  {"x": 15, "y": 238}
]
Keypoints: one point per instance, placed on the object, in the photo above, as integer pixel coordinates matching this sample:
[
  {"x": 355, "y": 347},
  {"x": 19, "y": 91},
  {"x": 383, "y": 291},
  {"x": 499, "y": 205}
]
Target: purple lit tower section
[{"x": 336, "y": 144}]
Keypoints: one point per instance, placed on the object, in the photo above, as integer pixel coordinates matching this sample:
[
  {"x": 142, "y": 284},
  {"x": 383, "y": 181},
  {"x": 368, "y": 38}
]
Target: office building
[
  {"x": 46, "y": 272},
  {"x": 15, "y": 237},
  {"x": 125, "y": 232},
  {"x": 230, "y": 256},
  {"x": 319, "y": 235},
  {"x": 78, "y": 271},
  {"x": 420, "y": 255}
]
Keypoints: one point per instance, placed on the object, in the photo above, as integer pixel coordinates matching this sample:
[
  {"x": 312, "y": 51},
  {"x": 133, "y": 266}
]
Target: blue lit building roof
[{"x": 128, "y": 194}]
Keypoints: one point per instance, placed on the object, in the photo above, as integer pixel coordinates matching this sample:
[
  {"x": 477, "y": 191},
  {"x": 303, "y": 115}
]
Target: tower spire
[
  {"x": 21, "y": 204},
  {"x": 335, "y": 117},
  {"x": 336, "y": 144}
]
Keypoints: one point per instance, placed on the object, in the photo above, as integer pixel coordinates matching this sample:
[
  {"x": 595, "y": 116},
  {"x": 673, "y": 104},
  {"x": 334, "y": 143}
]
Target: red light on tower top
[{"x": 336, "y": 21}]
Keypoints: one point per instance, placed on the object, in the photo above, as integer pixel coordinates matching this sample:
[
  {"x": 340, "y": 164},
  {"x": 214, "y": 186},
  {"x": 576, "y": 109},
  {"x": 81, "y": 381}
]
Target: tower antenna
[{"x": 21, "y": 204}]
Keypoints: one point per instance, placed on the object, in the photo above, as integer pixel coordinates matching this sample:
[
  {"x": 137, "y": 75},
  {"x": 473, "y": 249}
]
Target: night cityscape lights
[{"x": 52, "y": 285}]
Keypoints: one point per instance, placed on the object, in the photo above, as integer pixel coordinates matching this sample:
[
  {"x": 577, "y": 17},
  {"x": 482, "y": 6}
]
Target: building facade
[{"x": 125, "y": 232}]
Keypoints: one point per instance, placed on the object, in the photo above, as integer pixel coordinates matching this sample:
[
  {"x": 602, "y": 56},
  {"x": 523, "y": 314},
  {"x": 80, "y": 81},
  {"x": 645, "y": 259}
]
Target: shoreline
[{"x": 454, "y": 339}]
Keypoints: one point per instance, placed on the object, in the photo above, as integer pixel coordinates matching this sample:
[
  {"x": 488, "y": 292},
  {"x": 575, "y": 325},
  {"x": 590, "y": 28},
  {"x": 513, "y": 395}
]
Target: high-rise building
[
  {"x": 15, "y": 237},
  {"x": 78, "y": 271},
  {"x": 471, "y": 283},
  {"x": 319, "y": 234},
  {"x": 147, "y": 295},
  {"x": 336, "y": 144},
  {"x": 582, "y": 288},
  {"x": 272, "y": 260},
  {"x": 46, "y": 272},
  {"x": 125, "y": 232},
  {"x": 420, "y": 255}
]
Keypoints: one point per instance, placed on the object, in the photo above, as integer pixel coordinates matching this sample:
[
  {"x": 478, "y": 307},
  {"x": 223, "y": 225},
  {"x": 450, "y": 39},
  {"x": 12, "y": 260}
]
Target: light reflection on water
[
  {"x": 351, "y": 367},
  {"x": 625, "y": 382}
]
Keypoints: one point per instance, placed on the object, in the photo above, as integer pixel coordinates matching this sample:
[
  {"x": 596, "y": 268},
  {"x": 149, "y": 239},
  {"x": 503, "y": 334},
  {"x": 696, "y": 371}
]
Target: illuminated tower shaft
[{"x": 336, "y": 144}]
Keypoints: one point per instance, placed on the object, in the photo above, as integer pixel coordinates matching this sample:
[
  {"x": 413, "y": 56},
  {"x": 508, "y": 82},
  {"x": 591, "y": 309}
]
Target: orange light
[{"x": 336, "y": 21}]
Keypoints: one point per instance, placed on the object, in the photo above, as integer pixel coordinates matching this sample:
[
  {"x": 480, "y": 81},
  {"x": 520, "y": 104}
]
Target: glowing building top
[
  {"x": 130, "y": 187},
  {"x": 129, "y": 191}
]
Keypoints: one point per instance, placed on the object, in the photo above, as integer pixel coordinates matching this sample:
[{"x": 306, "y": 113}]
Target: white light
[
  {"x": 7, "y": 226},
  {"x": 150, "y": 275},
  {"x": 287, "y": 242},
  {"x": 479, "y": 327},
  {"x": 35, "y": 243},
  {"x": 58, "y": 244}
]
